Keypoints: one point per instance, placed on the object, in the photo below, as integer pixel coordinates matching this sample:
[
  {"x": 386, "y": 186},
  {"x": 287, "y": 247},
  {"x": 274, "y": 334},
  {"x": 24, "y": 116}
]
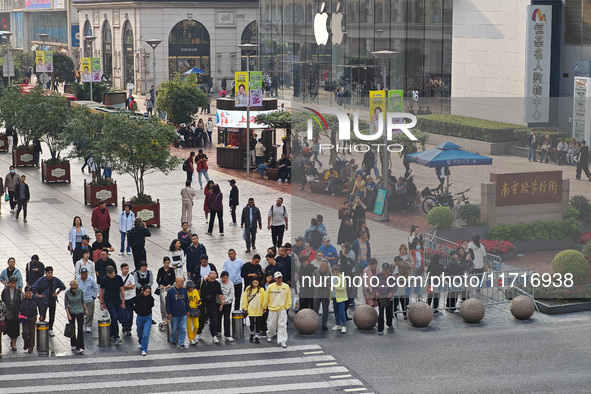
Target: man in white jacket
[{"x": 125, "y": 224}]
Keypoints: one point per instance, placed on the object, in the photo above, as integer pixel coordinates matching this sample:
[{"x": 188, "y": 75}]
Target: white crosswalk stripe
[{"x": 240, "y": 370}]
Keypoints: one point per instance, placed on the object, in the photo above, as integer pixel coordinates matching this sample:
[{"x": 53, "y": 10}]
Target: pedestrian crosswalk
[{"x": 240, "y": 370}]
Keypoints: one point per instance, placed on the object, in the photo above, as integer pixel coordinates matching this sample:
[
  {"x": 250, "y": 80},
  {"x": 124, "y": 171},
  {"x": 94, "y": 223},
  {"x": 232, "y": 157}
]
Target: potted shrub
[
  {"x": 138, "y": 147},
  {"x": 85, "y": 129}
]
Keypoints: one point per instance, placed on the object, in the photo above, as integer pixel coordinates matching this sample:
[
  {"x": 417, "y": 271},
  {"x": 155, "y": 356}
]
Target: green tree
[
  {"x": 139, "y": 147},
  {"x": 82, "y": 91},
  {"x": 180, "y": 98},
  {"x": 85, "y": 129},
  {"x": 43, "y": 116},
  {"x": 63, "y": 68}
]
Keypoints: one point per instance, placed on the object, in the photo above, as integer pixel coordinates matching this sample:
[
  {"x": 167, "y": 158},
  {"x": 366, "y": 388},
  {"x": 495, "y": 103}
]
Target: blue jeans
[
  {"x": 114, "y": 308},
  {"x": 206, "y": 177},
  {"x": 178, "y": 323},
  {"x": 339, "y": 312},
  {"x": 542, "y": 154},
  {"x": 108, "y": 172},
  {"x": 143, "y": 324},
  {"x": 261, "y": 169},
  {"x": 532, "y": 152},
  {"x": 316, "y": 159},
  {"x": 123, "y": 243},
  {"x": 376, "y": 170}
]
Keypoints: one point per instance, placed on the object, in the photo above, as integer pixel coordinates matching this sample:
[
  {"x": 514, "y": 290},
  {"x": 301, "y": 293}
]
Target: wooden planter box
[
  {"x": 23, "y": 158},
  {"x": 150, "y": 213},
  {"x": 55, "y": 172},
  {"x": 3, "y": 143},
  {"x": 94, "y": 194}
]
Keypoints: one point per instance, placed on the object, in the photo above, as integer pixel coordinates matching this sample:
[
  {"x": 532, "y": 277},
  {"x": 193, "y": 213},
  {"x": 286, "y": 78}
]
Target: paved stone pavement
[{"x": 53, "y": 206}]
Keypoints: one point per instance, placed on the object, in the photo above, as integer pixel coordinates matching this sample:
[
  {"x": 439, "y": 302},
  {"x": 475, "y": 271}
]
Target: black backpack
[
  {"x": 315, "y": 238},
  {"x": 132, "y": 237},
  {"x": 185, "y": 165}
]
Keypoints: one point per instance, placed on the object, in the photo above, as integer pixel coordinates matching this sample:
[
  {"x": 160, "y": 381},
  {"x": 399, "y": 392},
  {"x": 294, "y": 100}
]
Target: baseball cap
[
  {"x": 385, "y": 266},
  {"x": 326, "y": 238},
  {"x": 232, "y": 181},
  {"x": 278, "y": 274},
  {"x": 85, "y": 237},
  {"x": 189, "y": 283},
  {"x": 300, "y": 238},
  {"x": 83, "y": 269}
]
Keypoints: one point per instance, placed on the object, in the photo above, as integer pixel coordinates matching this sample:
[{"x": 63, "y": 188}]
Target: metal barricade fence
[
  {"x": 491, "y": 288},
  {"x": 435, "y": 245}
]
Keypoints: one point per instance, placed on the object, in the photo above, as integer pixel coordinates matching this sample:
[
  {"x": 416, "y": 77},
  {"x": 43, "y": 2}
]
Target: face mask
[
  {"x": 12, "y": 171},
  {"x": 418, "y": 247}
]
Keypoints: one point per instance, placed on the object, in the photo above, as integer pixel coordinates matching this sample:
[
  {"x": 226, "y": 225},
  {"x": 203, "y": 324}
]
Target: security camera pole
[
  {"x": 249, "y": 49},
  {"x": 384, "y": 57}
]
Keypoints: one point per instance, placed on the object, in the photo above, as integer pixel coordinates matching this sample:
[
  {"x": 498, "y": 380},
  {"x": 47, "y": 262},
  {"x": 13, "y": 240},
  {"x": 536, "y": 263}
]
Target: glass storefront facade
[
  {"x": 53, "y": 23},
  {"x": 188, "y": 47},
  {"x": 419, "y": 30}
]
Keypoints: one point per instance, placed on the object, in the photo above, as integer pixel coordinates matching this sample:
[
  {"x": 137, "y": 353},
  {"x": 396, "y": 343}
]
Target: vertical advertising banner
[
  {"x": 96, "y": 69},
  {"x": 377, "y": 105},
  {"x": 85, "y": 68},
  {"x": 537, "y": 63},
  {"x": 395, "y": 101},
  {"x": 241, "y": 88},
  {"x": 48, "y": 61},
  {"x": 256, "y": 88},
  {"x": 39, "y": 62}
]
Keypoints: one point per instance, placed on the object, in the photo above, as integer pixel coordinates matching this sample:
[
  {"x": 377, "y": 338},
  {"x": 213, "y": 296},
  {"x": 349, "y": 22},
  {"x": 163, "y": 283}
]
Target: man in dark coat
[
  {"x": 250, "y": 217},
  {"x": 582, "y": 162},
  {"x": 233, "y": 201},
  {"x": 22, "y": 196}
]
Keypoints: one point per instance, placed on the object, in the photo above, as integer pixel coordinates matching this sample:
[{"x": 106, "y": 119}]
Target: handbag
[
  {"x": 69, "y": 330},
  {"x": 23, "y": 319},
  {"x": 194, "y": 312},
  {"x": 2, "y": 326},
  {"x": 6, "y": 197}
]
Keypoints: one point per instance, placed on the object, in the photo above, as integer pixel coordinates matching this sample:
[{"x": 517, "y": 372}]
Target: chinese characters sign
[
  {"x": 581, "y": 112},
  {"x": 537, "y": 65},
  {"x": 238, "y": 119},
  {"x": 528, "y": 188}
]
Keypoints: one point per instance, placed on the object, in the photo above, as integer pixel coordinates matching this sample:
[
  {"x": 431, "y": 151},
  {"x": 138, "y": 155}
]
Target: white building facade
[{"x": 197, "y": 34}]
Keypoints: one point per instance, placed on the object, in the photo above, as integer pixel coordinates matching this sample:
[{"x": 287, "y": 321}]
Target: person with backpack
[
  {"x": 314, "y": 234},
  {"x": 136, "y": 238},
  {"x": 277, "y": 222},
  {"x": 188, "y": 166}
]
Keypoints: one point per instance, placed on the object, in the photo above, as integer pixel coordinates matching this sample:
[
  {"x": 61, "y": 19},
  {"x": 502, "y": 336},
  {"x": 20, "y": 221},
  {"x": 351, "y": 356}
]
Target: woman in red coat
[{"x": 207, "y": 192}]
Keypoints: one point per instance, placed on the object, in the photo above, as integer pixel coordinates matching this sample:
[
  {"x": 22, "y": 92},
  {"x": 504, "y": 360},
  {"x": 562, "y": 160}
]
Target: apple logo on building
[
  {"x": 336, "y": 28},
  {"x": 320, "y": 26}
]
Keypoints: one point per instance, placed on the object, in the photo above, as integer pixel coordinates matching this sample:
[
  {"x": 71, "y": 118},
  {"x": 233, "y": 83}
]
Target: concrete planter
[
  {"x": 95, "y": 193},
  {"x": 585, "y": 227},
  {"x": 23, "y": 158},
  {"x": 150, "y": 213},
  {"x": 567, "y": 308},
  {"x": 543, "y": 244},
  {"x": 460, "y": 233},
  {"x": 55, "y": 172}
]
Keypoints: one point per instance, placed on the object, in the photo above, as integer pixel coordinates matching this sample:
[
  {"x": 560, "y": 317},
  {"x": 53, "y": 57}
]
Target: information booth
[{"x": 232, "y": 128}]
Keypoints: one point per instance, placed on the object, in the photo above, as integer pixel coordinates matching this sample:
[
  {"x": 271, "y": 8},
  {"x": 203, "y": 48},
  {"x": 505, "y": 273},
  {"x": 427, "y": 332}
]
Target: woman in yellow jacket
[
  {"x": 339, "y": 299},
  {"x": 252, "y": 302},
  {"x": 192, "y": 321}
]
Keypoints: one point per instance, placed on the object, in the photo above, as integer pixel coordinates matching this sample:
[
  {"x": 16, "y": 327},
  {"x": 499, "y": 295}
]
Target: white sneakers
[
  {"x": 51, "y": 334},
  {"x": 88, "y": 329},
  {"x": 216, "y": 340},
  {"x": 283, "y": 345},
  {"x": 229, "y": 339},
  {"x": 121, "y": 253},
  {"x": 336, "y": 328},
  {"x": 144, "y": 354},
  {"x": 344, "y": 329}
]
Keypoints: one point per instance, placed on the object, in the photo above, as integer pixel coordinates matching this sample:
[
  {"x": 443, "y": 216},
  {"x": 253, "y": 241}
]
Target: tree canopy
[{"x": 180, "y": 98}]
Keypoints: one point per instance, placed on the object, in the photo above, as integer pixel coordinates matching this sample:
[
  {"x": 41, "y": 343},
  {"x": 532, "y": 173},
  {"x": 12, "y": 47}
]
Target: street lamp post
[
  {"x": 8, "y": 56},
  {"x": 154, "y": 42},
  {"x": 249, "y": 50},
  {"x": 43, "y": 37},
  {"x": 90, "y": 39},
  {"x": 384, "y": 57}
]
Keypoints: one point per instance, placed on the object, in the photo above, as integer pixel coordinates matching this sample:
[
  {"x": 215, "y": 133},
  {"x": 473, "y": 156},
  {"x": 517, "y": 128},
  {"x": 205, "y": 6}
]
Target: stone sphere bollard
[
  {"x": 306, "y": 321},
  {"x": 472, "y": 310},
  {"x": 420, "y": 314},
  {"x": 522, "y": 307},
  {"x": 365, "y": 317}
]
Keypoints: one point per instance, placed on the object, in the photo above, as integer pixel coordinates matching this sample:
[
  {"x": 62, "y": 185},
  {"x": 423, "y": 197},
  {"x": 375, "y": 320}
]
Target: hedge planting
[{"x": 541, "y": 229}]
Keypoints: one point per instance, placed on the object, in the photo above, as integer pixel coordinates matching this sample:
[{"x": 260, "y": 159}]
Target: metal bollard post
[
  {"x": 43, "y": 338},
  {"x": 237, "y": 325},
  {"x": 104, "y": 329}
]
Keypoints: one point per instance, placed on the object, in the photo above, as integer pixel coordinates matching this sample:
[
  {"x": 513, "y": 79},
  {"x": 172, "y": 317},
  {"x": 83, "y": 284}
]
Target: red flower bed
[
  {"x": 495, "y": 247},
  {"x": 584, "y": 238}
]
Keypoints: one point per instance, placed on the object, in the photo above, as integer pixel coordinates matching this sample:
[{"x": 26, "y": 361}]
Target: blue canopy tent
[
  {"x": 194, "y": 70},
  {"x": 448, "y": 154}
]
